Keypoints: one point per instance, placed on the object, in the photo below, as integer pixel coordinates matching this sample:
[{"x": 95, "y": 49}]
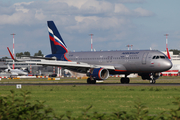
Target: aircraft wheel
[
  {"x": 88, "y": 81},
  {"x": 124, "y": 80},
  {"x": 93, "y": 81},
  {"x": 127, "y": 80},
  {"x": 152, "y": 81}
]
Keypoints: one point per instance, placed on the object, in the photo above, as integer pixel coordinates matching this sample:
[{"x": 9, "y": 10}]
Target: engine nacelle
[
  {"x": 99, "y": 73},
  {"x": 9, "y": 70}
]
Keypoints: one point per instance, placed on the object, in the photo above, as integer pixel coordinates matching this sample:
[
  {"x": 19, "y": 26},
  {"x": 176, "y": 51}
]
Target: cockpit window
[
  {"x": 159, "y": 57},
  {"x": 162, "y": 57}
]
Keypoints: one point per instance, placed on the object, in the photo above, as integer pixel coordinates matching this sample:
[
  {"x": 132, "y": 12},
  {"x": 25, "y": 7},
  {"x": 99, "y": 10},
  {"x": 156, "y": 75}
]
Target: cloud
[
  {"x": 108, "y": 20},
  {"x": 142, "y": 12},
  {"x": 20, "y": 6},
  {"x": 120, "y": 8},
  {"x": 29, "y": 12}
]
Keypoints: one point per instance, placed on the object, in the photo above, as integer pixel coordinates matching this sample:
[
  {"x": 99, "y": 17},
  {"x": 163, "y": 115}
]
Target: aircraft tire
[
  {"x": 124, "y": 80},
  {"x": 93, "y": 81},
  {"x": 89, "y": 81},
  {"x": 152, "y": 81},
  {"x": 127, "y": 80}
]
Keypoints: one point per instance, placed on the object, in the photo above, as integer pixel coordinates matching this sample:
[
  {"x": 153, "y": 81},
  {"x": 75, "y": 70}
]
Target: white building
[{"x": 175, "y": 70}]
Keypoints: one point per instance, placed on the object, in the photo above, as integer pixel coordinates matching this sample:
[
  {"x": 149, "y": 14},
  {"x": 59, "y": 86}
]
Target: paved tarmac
[{"x": 97, "y": 84}]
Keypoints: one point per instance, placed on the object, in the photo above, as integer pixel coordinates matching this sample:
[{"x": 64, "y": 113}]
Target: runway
[{"x": 85, "y": 84}]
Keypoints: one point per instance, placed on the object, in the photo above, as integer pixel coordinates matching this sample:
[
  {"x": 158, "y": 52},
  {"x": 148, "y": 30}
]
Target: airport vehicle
[
  {"x": 99, "y": 65},
  {"x": 15, "y": 72}
]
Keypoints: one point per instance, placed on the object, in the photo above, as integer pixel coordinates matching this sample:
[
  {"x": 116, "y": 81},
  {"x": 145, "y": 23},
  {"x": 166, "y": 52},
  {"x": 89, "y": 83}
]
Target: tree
[
  {"x": 19, "y": 54},
  {"x": 27, "y": 53},
  {"x": 5, "y": 57},
  {"x": 39, "y": 53},
  {"x": 175, "y": 51}
]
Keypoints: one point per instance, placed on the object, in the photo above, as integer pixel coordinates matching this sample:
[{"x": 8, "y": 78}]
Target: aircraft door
[{"x": 144, "y": 57}]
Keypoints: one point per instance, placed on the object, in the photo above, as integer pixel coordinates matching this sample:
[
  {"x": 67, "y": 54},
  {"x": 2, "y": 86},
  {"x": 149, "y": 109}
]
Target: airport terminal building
[{"x": 32, "y": 67}]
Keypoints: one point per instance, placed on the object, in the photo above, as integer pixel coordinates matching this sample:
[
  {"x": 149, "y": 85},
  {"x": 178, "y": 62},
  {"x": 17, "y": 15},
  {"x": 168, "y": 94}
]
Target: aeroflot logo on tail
[
  {"x": 130, "y": 53},
  {"x": 56, "y": 38}
]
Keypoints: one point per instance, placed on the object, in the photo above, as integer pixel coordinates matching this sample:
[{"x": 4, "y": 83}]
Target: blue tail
[{"x": 57, "y": 44}]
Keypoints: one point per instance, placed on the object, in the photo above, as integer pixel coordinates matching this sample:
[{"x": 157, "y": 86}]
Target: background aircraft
[
  {"x": 16, "y": 72},
  {"x": 100, "y": 64}
]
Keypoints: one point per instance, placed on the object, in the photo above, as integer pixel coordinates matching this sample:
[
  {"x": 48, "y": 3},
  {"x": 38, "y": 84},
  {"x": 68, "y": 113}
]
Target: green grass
[{"x": 104, "y": 99}]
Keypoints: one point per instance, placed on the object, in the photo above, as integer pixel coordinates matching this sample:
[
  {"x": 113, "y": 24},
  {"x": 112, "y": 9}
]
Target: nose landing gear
[{"x": 152, "y": 81}]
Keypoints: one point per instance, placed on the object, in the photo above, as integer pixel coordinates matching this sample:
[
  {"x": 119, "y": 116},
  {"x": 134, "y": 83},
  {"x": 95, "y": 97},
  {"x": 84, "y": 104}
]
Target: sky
[{"x": 114, "y": 23}]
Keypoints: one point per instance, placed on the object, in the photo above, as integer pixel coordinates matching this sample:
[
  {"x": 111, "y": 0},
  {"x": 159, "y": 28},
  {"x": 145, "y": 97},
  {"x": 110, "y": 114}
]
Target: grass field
[{"x": 104, "y": 99}]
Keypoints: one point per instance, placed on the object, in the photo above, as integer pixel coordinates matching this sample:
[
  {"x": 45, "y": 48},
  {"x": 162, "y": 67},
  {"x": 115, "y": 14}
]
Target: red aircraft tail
[
  {"x": 10, "y": 53},
  {"x": 168, "y": 55}
]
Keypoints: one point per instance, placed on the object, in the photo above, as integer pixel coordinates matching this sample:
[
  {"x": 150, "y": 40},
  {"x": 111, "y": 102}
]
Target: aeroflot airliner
[{"x": 99, "y": 65}]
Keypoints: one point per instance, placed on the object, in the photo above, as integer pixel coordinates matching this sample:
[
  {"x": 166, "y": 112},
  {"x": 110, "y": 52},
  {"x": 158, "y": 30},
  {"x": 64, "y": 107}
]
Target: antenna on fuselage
[{"x": 129, "y": 46}]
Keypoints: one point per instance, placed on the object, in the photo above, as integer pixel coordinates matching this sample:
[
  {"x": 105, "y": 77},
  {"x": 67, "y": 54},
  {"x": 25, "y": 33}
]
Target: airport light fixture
[
  {"x": 91, "y": 42},
  {"x": 13, "y": 49}
]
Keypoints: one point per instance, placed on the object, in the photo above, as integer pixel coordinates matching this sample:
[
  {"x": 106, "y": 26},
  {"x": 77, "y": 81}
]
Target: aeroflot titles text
[{"x": 130, "y": 53}]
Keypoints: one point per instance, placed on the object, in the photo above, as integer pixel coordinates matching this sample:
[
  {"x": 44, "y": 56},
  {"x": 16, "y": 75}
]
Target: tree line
[
  {"x": 175, "y": 51},
  {"x": 27, "y": 54}
]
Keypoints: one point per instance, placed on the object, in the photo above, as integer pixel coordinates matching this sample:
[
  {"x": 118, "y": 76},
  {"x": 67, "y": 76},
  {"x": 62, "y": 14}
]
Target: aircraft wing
[
  {"x": 80, "y": 66},
  {"x": 14, "y": 73},
  {"x": 77, "y": 66},
  {"x": 72, "y": 64}
]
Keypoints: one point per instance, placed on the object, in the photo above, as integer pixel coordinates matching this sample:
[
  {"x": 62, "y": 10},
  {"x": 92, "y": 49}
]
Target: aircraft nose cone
[{"x": 168, "y": 64}]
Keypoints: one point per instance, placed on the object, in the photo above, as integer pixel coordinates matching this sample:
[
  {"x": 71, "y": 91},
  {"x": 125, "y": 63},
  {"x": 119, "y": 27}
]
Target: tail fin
[
  {"x": 57, "y": 44},
  {"x": 8, "y": 66}
]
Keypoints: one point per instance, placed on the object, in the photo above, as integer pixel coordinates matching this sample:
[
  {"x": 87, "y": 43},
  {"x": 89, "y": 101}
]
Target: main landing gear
[
  {"x": 125, "y": 80},
  {"x": 91, "y": 81}
]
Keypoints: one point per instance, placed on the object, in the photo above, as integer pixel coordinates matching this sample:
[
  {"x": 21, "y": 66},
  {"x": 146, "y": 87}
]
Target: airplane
[
  {"x": 15, "y": 72},
  {"x": 99, "y": 65}
]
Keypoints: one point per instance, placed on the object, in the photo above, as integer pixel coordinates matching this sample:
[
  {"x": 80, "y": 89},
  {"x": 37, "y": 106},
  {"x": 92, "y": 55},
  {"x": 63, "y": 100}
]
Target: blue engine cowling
[{"x": 99, "y": 73}]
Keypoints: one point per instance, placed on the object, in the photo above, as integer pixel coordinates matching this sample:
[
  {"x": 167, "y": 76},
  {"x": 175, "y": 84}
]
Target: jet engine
[{"x": 98, "y": 73}]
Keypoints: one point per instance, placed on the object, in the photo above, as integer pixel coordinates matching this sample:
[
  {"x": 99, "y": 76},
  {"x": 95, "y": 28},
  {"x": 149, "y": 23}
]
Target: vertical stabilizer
[
  {"x": 57, "y": 44},
  {"x": 8, "y": 66}
]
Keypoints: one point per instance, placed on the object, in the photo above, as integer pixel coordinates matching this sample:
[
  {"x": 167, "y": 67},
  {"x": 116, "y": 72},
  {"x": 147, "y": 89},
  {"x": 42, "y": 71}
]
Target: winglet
[
  {"x": 10, "y": 53},
  {"x": 168, "y": 55}
]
